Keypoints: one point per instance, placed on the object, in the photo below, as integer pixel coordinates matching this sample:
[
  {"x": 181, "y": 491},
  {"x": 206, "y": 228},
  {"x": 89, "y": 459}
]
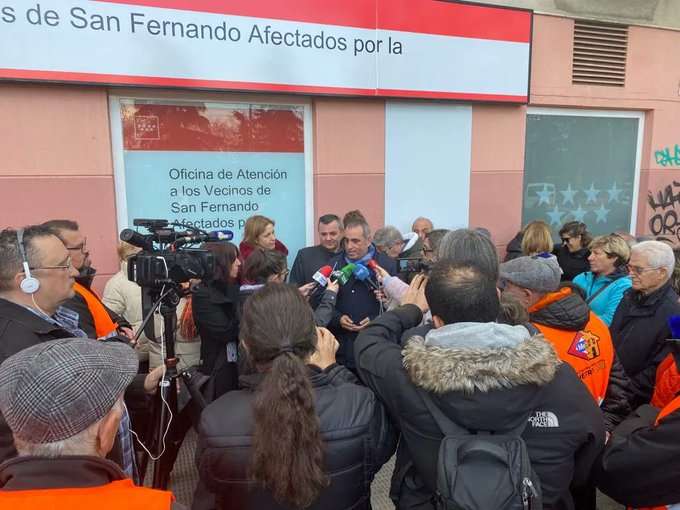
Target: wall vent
[{"x": 599, "y": 53}]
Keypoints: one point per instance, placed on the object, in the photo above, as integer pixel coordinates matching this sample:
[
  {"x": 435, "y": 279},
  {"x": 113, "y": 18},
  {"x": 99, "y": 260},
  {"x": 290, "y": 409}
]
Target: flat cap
[
  {"x": 539, "y": 273},
  {"x": 52, "y": 391}
]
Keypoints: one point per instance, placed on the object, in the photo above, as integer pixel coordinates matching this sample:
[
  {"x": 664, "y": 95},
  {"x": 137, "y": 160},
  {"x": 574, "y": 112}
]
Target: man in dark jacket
[
  {"x": 640, "y": 325},
  {"x": 578, "y": 335},
  {"x": 31, "y": 313},
  {"x": 94, "y": 318},
  {"x": 357, "y": 303},
  {"x": 483, "y": 376},
  {"x": 309, "y": 260}
]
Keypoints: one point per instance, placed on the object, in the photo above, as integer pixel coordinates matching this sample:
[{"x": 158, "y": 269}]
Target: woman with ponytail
[{"x": 301, "y": 433}]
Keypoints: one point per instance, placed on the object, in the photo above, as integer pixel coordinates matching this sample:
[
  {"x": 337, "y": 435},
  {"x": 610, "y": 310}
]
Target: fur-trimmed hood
[
  {"x": 474, "y": 357},
  {"x": 483, "y": 376}
]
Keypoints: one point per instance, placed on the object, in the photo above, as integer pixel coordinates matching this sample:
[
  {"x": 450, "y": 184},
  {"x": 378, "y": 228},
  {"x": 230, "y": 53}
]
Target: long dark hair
[
  {"x": 262, "y": 265},
  {"x": 225, "y": 256},
  {"x": 287, "y": 453}
]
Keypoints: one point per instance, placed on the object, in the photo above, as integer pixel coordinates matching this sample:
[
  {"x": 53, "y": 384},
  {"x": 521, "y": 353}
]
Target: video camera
[{"x": 168, "y": 264}]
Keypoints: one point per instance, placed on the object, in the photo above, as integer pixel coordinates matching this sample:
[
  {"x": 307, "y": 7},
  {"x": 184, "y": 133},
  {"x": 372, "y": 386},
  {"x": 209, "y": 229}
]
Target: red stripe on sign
[
  {"x": 114, "y": 79},
  {"x": 195, "y": 127},
  {"x": 421, "y": 16}
]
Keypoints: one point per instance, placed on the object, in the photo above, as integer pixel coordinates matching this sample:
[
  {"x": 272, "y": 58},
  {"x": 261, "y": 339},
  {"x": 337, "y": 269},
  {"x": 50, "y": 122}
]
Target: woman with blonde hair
[
  {"x": 259, "y": 233},
  {"x": 537, "y": 239}
]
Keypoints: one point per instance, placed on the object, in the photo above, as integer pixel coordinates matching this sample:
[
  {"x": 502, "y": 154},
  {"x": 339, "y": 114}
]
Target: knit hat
[
  {"x": 51, "y": 391},
  {"x": 537, "y": 273}
]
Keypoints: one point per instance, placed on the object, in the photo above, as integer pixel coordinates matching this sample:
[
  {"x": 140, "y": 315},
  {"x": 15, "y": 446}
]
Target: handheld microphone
[
  {"x": 372, "y": 264},
  {"x": 363, "y": 275},
  {"x": 321, "y": 278},
  {"x": 343, "y": 275},
  {"x": 215, "y": 235},
  {"x": 674, "y": 324}
]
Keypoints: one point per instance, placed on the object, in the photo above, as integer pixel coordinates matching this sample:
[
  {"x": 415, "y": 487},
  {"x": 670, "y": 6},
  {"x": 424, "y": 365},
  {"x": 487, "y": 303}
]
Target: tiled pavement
[{"x": 184, "y": 479}]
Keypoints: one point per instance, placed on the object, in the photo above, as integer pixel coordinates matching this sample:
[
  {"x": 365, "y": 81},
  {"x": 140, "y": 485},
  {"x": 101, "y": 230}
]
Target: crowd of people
[{"x": 545, "y": 376}]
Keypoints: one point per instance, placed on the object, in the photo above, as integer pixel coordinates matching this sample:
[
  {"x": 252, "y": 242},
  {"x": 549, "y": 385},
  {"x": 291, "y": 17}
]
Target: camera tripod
[{"x": 168, "y": 426}]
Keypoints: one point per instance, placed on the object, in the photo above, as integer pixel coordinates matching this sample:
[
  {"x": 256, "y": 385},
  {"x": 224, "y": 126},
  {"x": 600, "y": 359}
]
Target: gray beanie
[
  {"x": 53, "y": 390},
  {"x": 537, "y": 273}
]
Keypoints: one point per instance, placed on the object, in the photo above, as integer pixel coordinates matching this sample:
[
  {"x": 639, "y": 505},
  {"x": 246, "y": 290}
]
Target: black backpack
[{"x": 479, "y": 470}]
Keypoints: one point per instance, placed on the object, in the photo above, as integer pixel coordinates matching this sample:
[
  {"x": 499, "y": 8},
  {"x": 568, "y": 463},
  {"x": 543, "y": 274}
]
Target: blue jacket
[{"x": 605, "y": 303}]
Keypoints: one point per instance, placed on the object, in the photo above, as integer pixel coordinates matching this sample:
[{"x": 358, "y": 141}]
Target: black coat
[
  {"x": 514, "y": 248},
  {"x": 357, "y": 300},
  {"x": 572, "y": 264},
  {"x": 20, "y": 329},
  {"x": 216, "y": 315},
  {"x": 640, "y": 466},
  {"x": 639, "y": 331},
  {"x": 307, "y": 262},
  {"x": 357, "y": 436},
  {"x": 566, "y": 431}
]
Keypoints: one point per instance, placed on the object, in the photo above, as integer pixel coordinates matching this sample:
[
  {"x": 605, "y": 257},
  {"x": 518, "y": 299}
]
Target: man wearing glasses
[{"x": 94, "y": 318}]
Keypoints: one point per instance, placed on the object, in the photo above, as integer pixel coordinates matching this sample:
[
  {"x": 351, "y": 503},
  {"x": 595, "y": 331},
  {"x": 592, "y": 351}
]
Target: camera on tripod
[{"x": 169, "y": 263}]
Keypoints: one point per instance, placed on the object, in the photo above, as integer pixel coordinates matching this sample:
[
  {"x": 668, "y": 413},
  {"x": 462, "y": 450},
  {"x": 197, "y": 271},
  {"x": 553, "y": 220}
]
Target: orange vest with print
[
  {"x": 102, "y": 320},
  {"x": 114, "y": 496},
  {"x": 672, "y": 406},
  {"x": 590, "y": 351}
]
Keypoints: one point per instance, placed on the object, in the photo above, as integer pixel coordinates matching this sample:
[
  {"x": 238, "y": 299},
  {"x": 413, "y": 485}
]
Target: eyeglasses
[
  {"x": 427, "y": 250},
  {"x": 65, "y": 267},
  {"x": 82, "y": 247},
  {"x": 639, "y": 270},
  {"x": 565, "y": 240}
]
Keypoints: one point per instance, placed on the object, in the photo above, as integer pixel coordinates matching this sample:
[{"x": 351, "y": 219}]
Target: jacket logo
[
  {"x": 544, "y": 419},
  {"x": 585, "y": 345}
]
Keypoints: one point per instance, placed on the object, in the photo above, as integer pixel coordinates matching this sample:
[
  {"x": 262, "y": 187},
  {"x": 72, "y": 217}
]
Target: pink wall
[
  {"x": 56, "y": 149},
  {"x": 349, "y": 158}
]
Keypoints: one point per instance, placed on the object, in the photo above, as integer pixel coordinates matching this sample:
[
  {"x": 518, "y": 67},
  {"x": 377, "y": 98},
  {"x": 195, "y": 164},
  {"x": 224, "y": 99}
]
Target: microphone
[
  {"x": 362, "y": 274},
  {"x": 136, "y": 239},
  {"x": 343, "y": 275},
  {"x": 674, "y": 324},
  {"x": 321, "y": 278},
  {"x": 215, "y": 235}
]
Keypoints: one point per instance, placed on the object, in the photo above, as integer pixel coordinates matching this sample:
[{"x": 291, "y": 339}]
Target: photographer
[
  {"x": 215, "y": 310},
  {"x": 301, "y": 433}
]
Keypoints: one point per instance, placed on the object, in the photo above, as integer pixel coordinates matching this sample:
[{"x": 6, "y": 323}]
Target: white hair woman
[{"x": 640, "y": 325}]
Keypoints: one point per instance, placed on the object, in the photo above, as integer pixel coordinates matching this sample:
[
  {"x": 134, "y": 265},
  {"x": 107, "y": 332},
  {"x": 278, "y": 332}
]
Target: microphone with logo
[
  {"x": 343, "y": 275},
  {"x": 214, "y": 236},
  {"x": 362, "y": 274},
  {"x": 321, "y": 278},
  {"x": 674, "y": 342}
]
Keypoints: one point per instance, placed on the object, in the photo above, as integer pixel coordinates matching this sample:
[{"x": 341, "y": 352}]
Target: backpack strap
[
  {"x": 613, "y": 279},
  {"x": 450, "y": 428}
]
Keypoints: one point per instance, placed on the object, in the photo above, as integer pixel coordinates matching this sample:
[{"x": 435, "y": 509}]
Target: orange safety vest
[
  {"x": 590, "y": 351},
  {"x": 113, "y": 496},
  {"x": 103, "y": 324}
]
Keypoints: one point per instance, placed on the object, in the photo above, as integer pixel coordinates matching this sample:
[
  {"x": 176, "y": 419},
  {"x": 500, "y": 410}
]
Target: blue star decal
[
  {"x": 601, "y": 214},
  {"x": 614, "y": 193},
  {"x": 580, "y": 213},
  {"x": 592, "y": 194},
  {"x": 555, "y": 216},
  {"x": 544, "y": 195},
  {"x": 568, "y": 195}
]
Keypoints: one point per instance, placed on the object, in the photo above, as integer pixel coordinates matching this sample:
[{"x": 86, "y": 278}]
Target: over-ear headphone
[{"x": 29, "y": 284}]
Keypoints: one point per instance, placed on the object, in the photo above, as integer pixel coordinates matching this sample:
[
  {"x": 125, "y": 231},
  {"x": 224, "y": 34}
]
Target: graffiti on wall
[
  {"x": 666, "y": 205},
  {"x": 666, "y": 158}
]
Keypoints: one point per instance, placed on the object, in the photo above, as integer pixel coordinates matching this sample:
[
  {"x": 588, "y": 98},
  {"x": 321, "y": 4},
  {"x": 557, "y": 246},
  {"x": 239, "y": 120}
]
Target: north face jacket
[
  {"x": 583, "y": 341},
  {"x": 486, "y": 377}
]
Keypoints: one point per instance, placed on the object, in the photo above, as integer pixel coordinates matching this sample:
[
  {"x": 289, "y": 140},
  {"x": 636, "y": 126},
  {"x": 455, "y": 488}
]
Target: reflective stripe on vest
[
  {"x": 114, "y": 496},
  {"x": 590, "y": 353},
  {"x": 672, "y": 406},
  {"x": 103, "y": 324}
]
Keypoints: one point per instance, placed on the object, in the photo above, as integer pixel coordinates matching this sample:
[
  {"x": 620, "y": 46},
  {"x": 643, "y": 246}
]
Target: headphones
[{"x": 29, "y": 284}]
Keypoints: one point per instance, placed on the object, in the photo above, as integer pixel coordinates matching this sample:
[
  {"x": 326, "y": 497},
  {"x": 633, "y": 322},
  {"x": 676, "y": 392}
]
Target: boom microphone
[{"x": 215, "y": 235}]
